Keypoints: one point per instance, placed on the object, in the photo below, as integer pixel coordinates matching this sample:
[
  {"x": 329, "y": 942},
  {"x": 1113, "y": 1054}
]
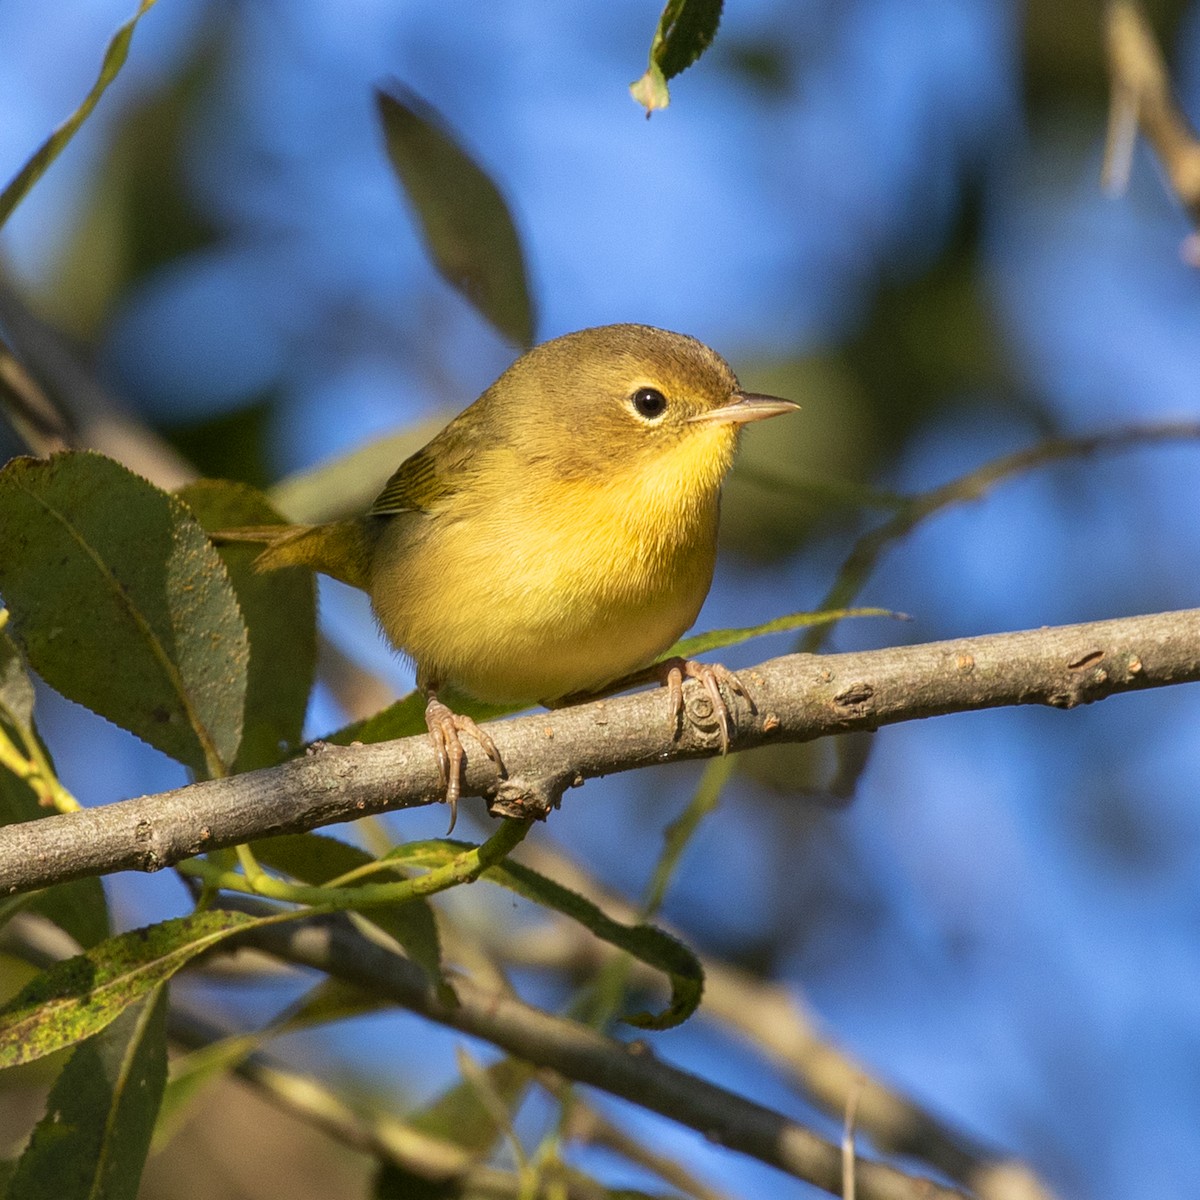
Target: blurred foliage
[
  {"x": 775, "y": 498},
  {"x": 230, "y": 445},
  {"x": 465, "y": 220},
  {"x": 1064, "y": 50},
  {"x": 139, "y": 215}
]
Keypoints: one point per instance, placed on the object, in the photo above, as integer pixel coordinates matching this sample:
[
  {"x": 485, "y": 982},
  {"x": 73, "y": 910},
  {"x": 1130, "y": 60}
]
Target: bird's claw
[
  {"x": 711, "y": 676},
  {"x": 445, "y": 726}
]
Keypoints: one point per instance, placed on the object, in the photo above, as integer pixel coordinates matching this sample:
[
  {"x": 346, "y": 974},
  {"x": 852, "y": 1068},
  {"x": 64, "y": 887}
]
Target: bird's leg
[
  {"x": 671, "y": 673},
  {"x": 444, "y": 726}
]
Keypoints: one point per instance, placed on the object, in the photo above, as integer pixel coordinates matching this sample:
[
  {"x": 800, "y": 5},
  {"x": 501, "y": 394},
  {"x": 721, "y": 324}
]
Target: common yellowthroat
[{"x": 557, "y": 536}]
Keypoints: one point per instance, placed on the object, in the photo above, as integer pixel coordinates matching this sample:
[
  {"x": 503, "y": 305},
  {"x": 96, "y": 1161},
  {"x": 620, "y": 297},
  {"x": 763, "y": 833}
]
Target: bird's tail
[{"x": 340, "y": 548}]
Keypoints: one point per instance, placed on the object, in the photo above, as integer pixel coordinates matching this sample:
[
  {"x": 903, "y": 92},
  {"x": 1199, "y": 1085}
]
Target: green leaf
[
  {"x": 121, "y": 602},
  {"x": 32, "y": 171},
  {"x": 79, "y": 908},
  {"x": 280, "y": 612},
  {"x": 345, "y": 486},
  {"x": 685, "y": 30},
  {"x": 465, "y": 221},
  {"x": 93, "y": 1140},
  {"x": 406, "y": 717},
  {"x": 646, "y": 943},
  {"x": 461, "y": 1116},
  {"x": 315, "y": 858},
  {"x": 78, "y": 997},
  {"x": 718, "y": 639},
  {"x": 16, "y": 688}
]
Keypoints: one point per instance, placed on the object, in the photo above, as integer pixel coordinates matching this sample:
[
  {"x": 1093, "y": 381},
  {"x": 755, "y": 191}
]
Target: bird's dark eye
[{"x": 649, "y": 403}]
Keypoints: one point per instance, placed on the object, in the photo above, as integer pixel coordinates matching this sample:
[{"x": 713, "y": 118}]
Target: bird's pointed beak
[{"x": 744, "y": 407}]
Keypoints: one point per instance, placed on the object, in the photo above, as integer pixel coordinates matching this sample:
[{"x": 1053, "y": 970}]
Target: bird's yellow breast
[{"x": 526, "y": 592}]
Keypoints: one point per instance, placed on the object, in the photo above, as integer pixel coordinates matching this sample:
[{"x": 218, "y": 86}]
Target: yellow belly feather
[{"x": 621, "y": 570}]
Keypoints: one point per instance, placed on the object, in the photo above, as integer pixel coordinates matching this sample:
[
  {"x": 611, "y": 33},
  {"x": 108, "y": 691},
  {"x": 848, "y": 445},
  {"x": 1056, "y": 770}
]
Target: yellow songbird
[{"x": 557, "y": 536}]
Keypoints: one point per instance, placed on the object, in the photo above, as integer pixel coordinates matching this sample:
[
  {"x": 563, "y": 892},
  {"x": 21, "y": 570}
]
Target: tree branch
[
  {"x": 628, "y": 1070},
  {"x": 799, "y": 698},
  {"x": 770, "y": 1017}
]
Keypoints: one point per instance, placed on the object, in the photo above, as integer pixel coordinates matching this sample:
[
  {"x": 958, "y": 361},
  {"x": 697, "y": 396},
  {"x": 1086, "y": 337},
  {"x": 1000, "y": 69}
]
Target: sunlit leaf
[
  {"x": 345, "y": 486},
  {"x": 78, "y": 997},
  {"x": 93, "y": 1140},
  {"x": 120, "y": 601},
  {"x": 32, "y": 171},
  {"x": 685, "y": 30},
  {"x": 280, "y": 611},
  {"x": 465, "y": 221},
  {"x": 718, "y": 639}
]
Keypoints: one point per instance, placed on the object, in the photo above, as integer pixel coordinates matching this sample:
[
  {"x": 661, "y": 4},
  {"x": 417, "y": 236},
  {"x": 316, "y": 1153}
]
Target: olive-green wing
[{"x": 435, "y": 472}]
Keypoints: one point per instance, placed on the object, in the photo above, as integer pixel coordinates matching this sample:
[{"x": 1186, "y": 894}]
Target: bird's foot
[
  {"x": 673, "y": 671},
  {"x": 445, "y": 726}
]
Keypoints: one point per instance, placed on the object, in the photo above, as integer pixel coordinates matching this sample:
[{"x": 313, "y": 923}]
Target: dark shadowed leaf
[
  {"x": 465, "y": 221},
  {"x": 280, "y": 611},
  {"x": 120, "y": 601},
  {"x": 685, "y": 30},
  {"x": 93, "y": 1140},
  {"x": 78, "y": 997},
  {"x": 49, "y": 150},
  {"x": 315, "y": 859}
]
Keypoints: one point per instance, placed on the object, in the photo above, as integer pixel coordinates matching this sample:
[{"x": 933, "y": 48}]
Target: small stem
[{"x": 464, "y": 868}]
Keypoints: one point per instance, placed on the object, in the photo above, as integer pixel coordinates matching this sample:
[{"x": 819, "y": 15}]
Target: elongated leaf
[
  {"x": 49, "y": 150},
  {"x": 92, "y": 1142},
  {"x": 315, "y": 859},
  {"x": 120, "y": 601},
  {"x": 78, "y": 997},
  {"x": 345, "y": 486},
  {"x": 459, "y": 1114},
  {"x": 465, "y": 221},
  {"x": 280, "y": 611},
  {"x": 406, "y": 717},
  {"x": 718, "y": 639},
  {"x": 685, "y": 30},
  {"x": 645, "y": 942}
]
